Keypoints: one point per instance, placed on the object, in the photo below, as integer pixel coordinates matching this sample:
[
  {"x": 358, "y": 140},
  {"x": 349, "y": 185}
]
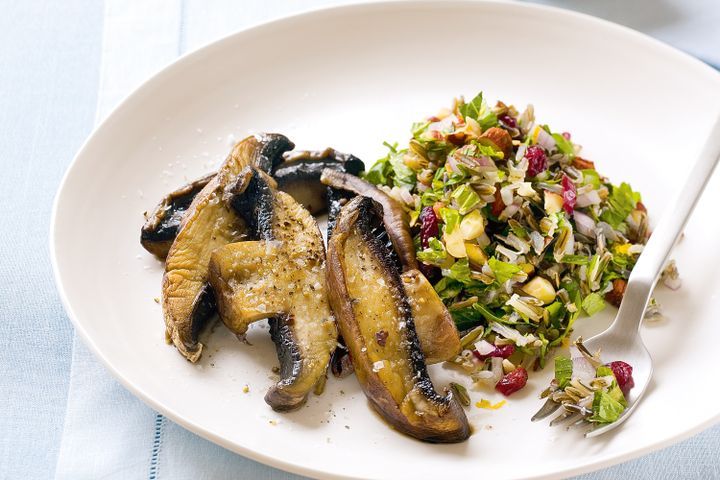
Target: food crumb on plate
[{"x": 483, "y": 403}]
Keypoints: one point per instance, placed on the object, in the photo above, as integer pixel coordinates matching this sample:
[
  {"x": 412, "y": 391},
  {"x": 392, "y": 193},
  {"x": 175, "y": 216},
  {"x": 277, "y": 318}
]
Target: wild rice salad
[
  {"x": 584, "y": 385},
  {"x": 519, "y": 234}
]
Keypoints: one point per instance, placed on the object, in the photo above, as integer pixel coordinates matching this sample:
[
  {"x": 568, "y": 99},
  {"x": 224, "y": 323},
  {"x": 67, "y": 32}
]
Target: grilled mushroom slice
[
  {"x": 435, "y": 326},
  {"x": 371, "y": 305},
  {"x": 393, "y": 214},
  {"x": 161, "y": 227},
  {"x": 439, "y": 337},
  {"x": 280, "y": 276},
  {"x": 298, "y": 175},
  {"x": 207, "y": 225}
]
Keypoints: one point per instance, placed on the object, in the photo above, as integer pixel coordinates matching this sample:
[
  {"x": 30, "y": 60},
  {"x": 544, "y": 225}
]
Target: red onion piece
[
  {"x": 584, "y": 224},
  {"x": 569, "y": 194}
]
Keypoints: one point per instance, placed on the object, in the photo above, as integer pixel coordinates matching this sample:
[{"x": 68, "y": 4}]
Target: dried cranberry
[
  {"x": 506, "y": 350},
  {"x": 537, "y": 160},
  {"x": 512, "y": 382},
  {"x": 508, "y": 121},
  {"x": 428, "y": 226},
  {"x": 569, "y": 194},
  {"x": 623, "y": 375},
  {"x": 502, "y": 351}
]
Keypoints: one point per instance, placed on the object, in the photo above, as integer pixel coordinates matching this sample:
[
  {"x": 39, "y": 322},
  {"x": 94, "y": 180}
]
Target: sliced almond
[
  {"x": 472, "y": 225},
  {"x": 499, "y": 139},
  {"x": 553, "y": 203}
]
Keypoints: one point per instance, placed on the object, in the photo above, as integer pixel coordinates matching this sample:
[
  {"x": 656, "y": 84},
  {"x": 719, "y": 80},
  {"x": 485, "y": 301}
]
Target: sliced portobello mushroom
[
  {"x": 298, "y": 175},
  {"x": 162, "y": 225},
  {"x": 439, "y": 336},
  {"x": 393, "y": 215},
  {"x": 207, "y": 225},
  {"x": 435, "y": 326},
  {"x": 373, "y": 311},
  {"x": 281, "y": 276}
]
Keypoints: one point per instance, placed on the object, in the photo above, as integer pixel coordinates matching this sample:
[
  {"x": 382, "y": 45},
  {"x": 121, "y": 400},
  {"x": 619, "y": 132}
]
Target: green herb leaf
[
  {"x": 614, "y": 389},
  {"x": 404, "y": 176},
  {"x": 435, "y": 254},
  {"x": 563, "y": 144},
  {"x": 466, "y": 198},
  {"x": 488, "y": 314},
  {"x": 593, "y": 304},
  {"x": 503, "y": 271},
  {"x": 605, "y": 408},
  {"x": 473, "y": 108},
  {"x": 379, "y": 172},
  {"x": 620, "y": 260},
  {"x": 575, "y": 259},
  {"x": 393, "y": 147},
  {"x": 518, "y": 230},
  {"x": 477, "y": 109},
  {"x": 487, "y": 119},
  {"x": 591, "y": 177},
  {"x": 466, "y": 317},
  {"x": 563, "y": 370},
  {"x": 617, "y": 394},
  {"x": 622, "y": 201},
  {"x": 487, "y": 151},
  {"x": 418, "y": 128},
  {"x": 460, "y": 271},
  {"x": 448, "y": 288},
  {"x": 555, "y": 311},
  {"x": 573, "y": 289},
  {"x": 451, "y": 218}
]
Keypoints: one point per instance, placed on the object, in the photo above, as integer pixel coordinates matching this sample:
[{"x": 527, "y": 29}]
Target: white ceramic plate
[{"x": 352, "y": 77}]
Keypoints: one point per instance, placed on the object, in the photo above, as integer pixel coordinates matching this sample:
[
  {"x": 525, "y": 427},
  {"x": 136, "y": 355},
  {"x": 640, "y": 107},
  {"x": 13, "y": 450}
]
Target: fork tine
[
  {"x": 595, "y": 431},
  {"x": 582, "y": 421},
  {"x": 565, "y": 417},
  {"x": 546, "y": 410}
]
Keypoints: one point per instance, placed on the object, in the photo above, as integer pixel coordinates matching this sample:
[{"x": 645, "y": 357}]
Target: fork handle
[{"x": 655, "y": 254}]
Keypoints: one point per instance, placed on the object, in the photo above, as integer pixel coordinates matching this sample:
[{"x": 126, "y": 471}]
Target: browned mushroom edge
[{"x": 375, "y": 318}]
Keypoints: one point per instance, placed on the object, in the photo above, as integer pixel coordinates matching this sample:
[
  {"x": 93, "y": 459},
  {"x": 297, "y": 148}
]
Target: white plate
[{"x": 352, "y": 77}]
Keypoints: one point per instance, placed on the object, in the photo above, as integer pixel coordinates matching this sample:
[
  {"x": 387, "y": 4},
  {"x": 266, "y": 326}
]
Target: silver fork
[{"x": 622, "y": 341}]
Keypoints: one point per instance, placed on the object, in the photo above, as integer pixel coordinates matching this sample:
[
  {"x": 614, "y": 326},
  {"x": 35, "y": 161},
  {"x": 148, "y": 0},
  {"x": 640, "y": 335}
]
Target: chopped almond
[
  {"x": 499, "y": 139},
  {"x": 615, "y": 295},
  {"x": 582, "y": 164},
  {"x": 498, "y": 206}
]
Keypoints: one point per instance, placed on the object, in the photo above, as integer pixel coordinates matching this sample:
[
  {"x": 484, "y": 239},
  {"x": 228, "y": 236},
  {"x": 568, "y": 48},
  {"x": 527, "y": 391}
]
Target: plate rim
[{"x": 599, "y": 462}]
